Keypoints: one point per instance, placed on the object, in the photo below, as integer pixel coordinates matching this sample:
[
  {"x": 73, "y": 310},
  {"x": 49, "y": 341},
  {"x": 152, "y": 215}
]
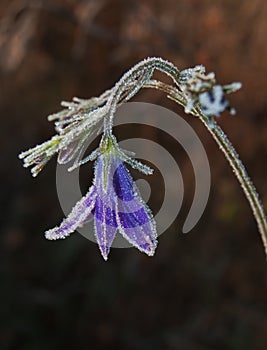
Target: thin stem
[
  {"x": 240, "y": 172},
  {"x": 139, "y": 75},
  {"x": 230, "y": 154}
]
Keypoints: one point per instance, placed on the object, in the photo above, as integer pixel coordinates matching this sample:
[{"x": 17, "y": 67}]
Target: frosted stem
[
  {"x": 230, "y": 154},
  {"x": 137, "y": 76},
  {"x": 240, "y": 172}
]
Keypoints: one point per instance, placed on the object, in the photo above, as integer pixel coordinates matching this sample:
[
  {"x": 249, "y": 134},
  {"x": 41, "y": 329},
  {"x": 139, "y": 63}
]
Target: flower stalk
[
  {"x": 230, "y": 154},
  {"x": 241, "y": 174}
]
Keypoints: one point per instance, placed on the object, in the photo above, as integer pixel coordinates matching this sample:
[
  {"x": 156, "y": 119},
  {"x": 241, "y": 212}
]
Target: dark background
[{"x": 204, "y": 290}]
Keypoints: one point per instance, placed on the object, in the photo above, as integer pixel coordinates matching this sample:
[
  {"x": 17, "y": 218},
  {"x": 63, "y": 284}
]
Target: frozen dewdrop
[{"x": 232, "y": 111}]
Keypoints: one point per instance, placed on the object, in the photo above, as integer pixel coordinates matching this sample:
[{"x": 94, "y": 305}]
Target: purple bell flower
[{"x": 114, "y": 203}]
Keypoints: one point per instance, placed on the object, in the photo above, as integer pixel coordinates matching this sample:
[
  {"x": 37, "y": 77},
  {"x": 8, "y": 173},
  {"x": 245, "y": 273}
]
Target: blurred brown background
[{"x": 204, "y": 290}]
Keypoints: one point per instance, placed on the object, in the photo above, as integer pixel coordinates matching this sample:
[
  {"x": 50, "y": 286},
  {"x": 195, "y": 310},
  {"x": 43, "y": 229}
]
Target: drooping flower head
[{"x": 114, "y": 203}]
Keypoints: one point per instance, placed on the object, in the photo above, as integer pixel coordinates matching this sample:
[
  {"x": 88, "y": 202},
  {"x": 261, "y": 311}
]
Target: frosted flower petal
[
  {"x": 105, "y": 206},
  {"x": 115, "y": 205},
  {"x": 77, "y": 217},
  {"x": 135, "y": 220}
]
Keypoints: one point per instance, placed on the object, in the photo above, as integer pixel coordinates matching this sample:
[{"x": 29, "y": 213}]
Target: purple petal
[
  {"x": 131, "y": 220},
  {"x": 123, "y": 183},
  {"x": 135, "y": 220},
  {"x": 105, "y": 227},
  {"x": 106, "y": 205},
  {"x": 119, "y": 205},
  {"x": 138, "y": 227},
  {"x": 88, "y": 218},
  {"x": 105, "y": 214},
  {"x": 77, "y": 217}
]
